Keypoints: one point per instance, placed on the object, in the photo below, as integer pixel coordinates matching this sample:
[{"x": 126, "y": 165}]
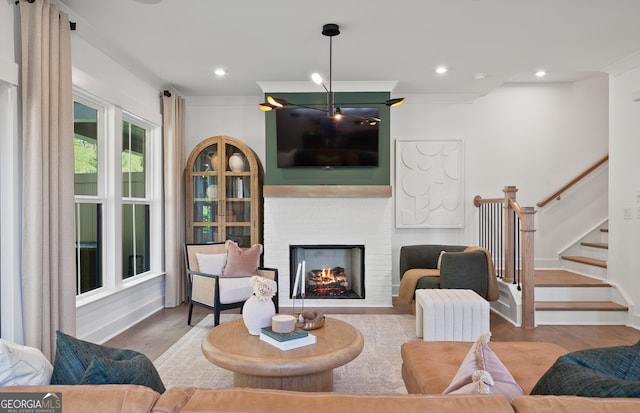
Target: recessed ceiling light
[
  {"x": 541, "y": 73},
  {"x": 479, "y": 76},
  {"x": 441, "y": 70},
  {"x": 220, "y": 72}
]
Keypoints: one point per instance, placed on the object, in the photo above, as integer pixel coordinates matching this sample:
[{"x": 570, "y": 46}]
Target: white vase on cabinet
[{"x": 236, "y": 162}]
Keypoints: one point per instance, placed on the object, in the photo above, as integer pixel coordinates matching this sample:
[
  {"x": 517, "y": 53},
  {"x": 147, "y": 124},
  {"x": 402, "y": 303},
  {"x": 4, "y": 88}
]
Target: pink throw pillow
[
  {"x": 242, "y": 263},
  {"x": 482, "y": 372}
]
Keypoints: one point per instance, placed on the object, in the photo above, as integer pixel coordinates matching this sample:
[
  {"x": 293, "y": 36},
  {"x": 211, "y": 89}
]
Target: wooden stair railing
[
  {"x": 556, "y": 195},
  {"x": 509, "y": 236}
]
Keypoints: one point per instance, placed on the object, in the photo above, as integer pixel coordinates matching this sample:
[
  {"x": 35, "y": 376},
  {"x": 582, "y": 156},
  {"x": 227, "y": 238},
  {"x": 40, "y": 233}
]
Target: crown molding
[
  {"x": 443, "y": 98},
  {"x": 340, "y": 86},
  {"x": 623, "y": 65}
]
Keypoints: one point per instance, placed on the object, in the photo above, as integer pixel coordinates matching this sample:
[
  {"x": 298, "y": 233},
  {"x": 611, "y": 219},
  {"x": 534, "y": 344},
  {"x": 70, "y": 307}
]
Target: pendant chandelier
[{"x": 330, "y": 30}]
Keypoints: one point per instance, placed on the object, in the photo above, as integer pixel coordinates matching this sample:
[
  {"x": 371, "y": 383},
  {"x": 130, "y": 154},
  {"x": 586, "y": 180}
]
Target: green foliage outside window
[{"x": 85, "y": 156}]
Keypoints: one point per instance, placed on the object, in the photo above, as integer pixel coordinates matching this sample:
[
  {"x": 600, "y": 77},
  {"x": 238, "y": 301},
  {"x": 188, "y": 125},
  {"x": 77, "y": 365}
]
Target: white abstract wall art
[{"x": 429, "y": 190}]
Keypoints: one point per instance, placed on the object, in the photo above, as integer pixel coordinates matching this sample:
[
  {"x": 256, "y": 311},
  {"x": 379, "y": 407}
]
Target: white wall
[
  {"x": 624, "y": 149},
  {"x": 238, "y": 117},
  {"x": 103, "y": 77},
  {"x": 536, "y": 137}
]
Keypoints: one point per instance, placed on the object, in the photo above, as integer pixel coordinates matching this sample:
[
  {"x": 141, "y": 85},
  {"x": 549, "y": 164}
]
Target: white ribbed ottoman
[{"x": 450, "y": 315}]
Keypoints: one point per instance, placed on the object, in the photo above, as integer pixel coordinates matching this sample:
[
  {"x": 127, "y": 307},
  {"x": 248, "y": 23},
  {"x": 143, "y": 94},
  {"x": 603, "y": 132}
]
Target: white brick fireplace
[{"x": 330, "y": 221}]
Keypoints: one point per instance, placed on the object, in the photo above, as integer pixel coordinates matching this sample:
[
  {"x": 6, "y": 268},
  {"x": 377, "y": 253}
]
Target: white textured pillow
[
  {"x": 23, "y": 366},
  {"x": 211, "y": 263}
]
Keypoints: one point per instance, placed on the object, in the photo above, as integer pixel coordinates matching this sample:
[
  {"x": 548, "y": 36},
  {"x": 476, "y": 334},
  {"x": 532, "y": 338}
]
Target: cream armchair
[{"x": 218, "y": 280}]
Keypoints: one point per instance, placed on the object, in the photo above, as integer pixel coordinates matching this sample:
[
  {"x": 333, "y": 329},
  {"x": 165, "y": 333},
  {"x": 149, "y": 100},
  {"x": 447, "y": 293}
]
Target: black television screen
[{"x": 309, "y": 138}]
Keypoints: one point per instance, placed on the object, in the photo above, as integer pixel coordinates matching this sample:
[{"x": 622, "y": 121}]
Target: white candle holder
[{"x": 293, "y": 310}]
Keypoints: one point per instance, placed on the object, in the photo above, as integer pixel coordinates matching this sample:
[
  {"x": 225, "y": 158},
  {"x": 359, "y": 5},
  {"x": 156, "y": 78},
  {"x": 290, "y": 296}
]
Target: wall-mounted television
[{"x": 309, "y": 138}]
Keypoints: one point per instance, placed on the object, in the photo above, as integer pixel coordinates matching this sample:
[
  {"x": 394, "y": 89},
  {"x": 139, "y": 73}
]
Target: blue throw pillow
[
  {"x": 601, "y": 372},
  {"x": 82, "y": 362},
  {"x": 137, "y": 370}
]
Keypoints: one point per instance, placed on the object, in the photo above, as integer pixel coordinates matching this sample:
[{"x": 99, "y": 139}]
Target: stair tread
[
  {"x": 596, "y": 245},
  {"x": 580, "y": 306},
  {"x": 585, "y": 260},
  {"x": 564, "y": 278}
]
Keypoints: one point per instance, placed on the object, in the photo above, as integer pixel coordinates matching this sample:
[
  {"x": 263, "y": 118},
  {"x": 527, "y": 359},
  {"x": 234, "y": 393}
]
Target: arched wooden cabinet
[{"x": 223, "y": 193}]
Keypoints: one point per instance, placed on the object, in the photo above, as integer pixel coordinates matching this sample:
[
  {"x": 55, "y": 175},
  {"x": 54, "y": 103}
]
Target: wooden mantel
[{"x": 327, "y": 191}]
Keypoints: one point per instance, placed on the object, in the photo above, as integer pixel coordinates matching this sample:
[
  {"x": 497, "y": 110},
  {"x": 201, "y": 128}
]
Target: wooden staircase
[{"x": 572, "y": 295}]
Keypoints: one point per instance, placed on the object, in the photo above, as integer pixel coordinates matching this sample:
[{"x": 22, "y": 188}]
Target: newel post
[
  {"x": 527, "y": 230},
  {"x": 509, "y": 234}
]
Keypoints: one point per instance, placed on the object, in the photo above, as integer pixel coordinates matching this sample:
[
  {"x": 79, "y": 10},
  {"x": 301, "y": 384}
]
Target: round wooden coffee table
[{"x": 258, "y": 364}]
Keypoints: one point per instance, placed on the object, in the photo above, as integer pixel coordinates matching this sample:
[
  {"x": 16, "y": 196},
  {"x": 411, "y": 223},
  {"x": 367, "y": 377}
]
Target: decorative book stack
[{"x": 287, "y": 341}]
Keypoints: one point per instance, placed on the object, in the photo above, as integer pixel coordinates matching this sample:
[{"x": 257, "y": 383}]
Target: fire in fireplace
[
  {"x": 331, "y": 271},
  {"x": 328, "y": 281}
]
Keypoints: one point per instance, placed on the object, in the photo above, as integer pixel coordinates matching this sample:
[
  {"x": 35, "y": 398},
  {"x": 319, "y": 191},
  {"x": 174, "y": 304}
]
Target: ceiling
[{"x": 178, "y": 44}]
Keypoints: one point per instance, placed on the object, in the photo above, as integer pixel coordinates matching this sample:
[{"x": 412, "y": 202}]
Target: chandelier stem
[
  {"x": 331, "y": 109},
  {"x": 330, "y": 62}
]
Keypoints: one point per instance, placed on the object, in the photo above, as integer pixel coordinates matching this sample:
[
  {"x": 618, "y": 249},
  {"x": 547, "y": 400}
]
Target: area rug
[{"x": 377, "y": 369}]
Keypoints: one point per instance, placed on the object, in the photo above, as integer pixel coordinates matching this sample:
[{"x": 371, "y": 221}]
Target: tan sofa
[
  {"x": 126, "y": 398},
  {"x": 137, "y": 399},
  {"x": 428, "y": 368}
]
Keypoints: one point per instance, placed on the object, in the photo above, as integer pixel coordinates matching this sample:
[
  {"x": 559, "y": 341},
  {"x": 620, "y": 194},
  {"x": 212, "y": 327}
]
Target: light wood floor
[{"x": 157, "y": 333}]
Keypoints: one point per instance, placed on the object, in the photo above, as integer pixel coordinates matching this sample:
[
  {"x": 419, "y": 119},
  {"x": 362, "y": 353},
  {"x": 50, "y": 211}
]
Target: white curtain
[
  {"x": 173, "y": 154},
  {"x": 48, "y": 264}
]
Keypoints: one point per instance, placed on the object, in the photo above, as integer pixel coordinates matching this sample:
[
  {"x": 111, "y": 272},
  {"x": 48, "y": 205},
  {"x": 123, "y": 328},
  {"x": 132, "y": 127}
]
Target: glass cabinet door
[
  {"x": 238, "y": 197},
  {"x": 223, "y": 197},
  {"x": 205, "y": 196}
]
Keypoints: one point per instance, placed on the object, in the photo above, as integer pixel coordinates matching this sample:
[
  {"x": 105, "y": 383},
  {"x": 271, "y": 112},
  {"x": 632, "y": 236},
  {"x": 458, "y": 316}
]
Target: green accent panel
[{"x": 332, "y": 176}]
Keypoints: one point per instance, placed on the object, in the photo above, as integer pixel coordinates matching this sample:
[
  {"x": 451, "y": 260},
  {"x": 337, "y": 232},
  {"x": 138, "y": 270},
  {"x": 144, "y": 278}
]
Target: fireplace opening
[{"x": 330, "y": 271}]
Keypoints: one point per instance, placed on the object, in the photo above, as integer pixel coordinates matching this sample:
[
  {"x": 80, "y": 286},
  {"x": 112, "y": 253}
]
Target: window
[{"x": 114, "y": 205}]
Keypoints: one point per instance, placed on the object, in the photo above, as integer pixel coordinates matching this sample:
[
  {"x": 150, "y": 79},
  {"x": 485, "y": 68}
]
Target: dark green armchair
[{"x": 460, "y": 267}]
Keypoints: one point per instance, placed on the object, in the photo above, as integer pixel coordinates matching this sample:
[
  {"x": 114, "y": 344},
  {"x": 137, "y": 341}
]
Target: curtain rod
[{"x": 72, "y": 25}]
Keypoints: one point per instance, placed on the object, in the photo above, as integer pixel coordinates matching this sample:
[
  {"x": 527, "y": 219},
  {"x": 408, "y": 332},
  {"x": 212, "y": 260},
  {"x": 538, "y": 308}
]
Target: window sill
[{"x": 102, "y": 293}]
